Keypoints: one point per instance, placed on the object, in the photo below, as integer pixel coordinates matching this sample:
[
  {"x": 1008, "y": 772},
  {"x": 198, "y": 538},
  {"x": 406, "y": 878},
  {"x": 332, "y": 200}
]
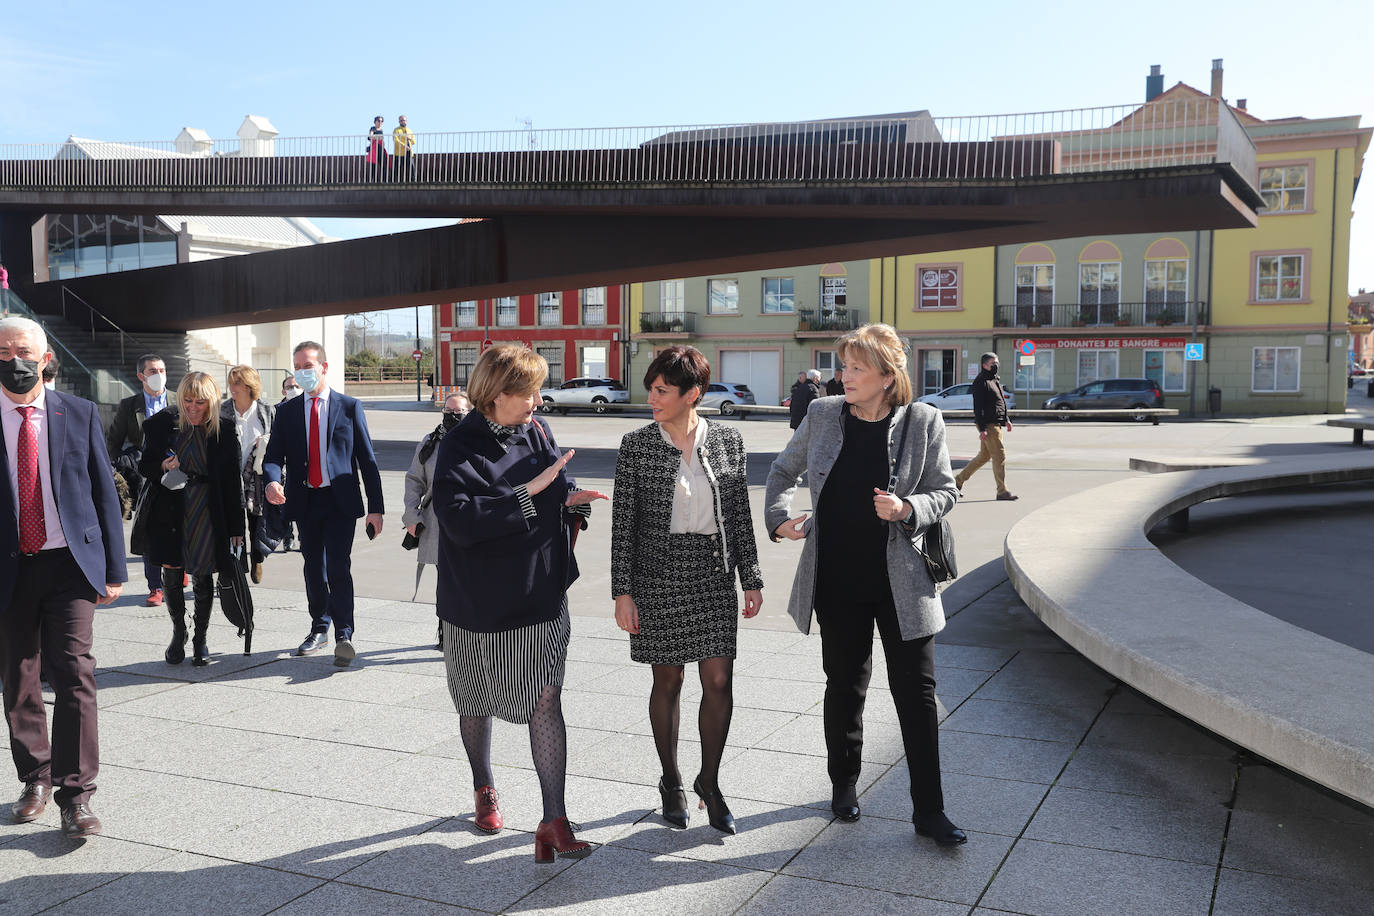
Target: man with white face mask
[{"x": 124, "y": 440}]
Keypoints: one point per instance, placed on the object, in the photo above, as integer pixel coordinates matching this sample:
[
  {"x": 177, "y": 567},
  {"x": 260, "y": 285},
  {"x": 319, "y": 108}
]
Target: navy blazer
[
  {"x": 83, "y": 488},
  {"x": 347, "y": 456},
  {"x": 497, "y": 569}
]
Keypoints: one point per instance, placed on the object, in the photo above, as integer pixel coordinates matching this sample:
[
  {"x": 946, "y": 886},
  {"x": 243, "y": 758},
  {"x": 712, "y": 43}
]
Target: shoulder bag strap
[{"x": 901, "y": 449}]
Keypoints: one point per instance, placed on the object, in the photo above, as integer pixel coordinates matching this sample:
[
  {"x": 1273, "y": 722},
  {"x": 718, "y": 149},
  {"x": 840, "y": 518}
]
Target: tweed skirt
[
  {"x": 688, "y": 609},
  {"x": 503, "y": 674}
]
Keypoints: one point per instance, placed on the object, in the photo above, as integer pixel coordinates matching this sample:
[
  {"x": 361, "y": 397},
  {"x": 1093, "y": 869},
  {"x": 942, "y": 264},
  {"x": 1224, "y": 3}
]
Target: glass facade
[{"x": 82, "y": 245}]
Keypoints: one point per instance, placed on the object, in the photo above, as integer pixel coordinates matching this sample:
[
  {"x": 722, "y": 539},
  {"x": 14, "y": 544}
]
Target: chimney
[
  {"x": 1216, "y": 78},
  {"x": 1240, "y": 103},
  {"x": 1154, "y": 83}
]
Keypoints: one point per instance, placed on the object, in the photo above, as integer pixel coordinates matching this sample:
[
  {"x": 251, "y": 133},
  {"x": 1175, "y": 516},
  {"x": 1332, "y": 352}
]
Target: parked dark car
[{"x": 1119, "y": 393}]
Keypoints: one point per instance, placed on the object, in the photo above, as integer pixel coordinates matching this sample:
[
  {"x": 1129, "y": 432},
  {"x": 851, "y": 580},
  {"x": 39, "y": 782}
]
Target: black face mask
[
  {"x": 451, "y": 419},
  {"x": 19, "y": 375},
  {"x": 993, "y": 368}
]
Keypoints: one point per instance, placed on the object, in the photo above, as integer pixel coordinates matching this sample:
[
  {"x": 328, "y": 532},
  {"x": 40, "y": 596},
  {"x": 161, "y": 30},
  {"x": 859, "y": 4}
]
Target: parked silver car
[
  {"x": 960, "y": 397},
  {"x": 725, "y": 395},
  {"x": 584, "y": 392}
]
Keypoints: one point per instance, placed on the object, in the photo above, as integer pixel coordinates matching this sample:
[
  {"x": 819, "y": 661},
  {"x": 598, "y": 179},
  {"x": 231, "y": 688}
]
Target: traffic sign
[
  {"x": 1028, "y": 360},
  {"x": 417, "y": 354},
  {"x": 1193, "y": 352},
  {"x": 486, "y": 345},
  {"x": 1027, "y": 348}
]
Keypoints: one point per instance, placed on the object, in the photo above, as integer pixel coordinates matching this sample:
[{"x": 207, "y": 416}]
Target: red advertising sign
[{"x": 1111, "y": 343}]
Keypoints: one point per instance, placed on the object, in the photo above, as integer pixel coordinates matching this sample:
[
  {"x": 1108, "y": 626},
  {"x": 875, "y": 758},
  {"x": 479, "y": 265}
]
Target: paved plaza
[{"x": 278, "y": 784}]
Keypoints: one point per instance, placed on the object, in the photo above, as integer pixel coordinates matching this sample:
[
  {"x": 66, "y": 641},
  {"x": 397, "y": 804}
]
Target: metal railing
[
  {"x": 96, "y": 320},
  {"x": 827, "y": 320},
  {"x": 668, "y": 322},
  {"x": 913, "y": 146},
  {"x": 1102, "y": 314},
  {"x": 98, "y": 385}
]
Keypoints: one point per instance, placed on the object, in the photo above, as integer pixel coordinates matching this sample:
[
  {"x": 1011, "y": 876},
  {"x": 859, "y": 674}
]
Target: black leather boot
[
  {"x": 176, "y": 609},
  {"x": 203, "y": 587}
]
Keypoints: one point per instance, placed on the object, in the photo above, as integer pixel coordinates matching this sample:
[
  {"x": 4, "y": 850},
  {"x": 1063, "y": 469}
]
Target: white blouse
[
  {"x": 694, "y": 503},
  {"x": 250, "y": 427}
]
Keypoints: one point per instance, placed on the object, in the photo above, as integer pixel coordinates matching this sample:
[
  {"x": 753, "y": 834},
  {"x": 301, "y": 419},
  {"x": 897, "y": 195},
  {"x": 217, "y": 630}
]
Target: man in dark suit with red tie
[
  {"x": 61, "y": 554},
  {"x": 324, "y": 448}
]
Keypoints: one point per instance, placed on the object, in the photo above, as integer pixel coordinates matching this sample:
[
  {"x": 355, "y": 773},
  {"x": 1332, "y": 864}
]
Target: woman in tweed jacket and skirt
[
  {"x": 681, "y": 531},
  {"x": 879, "y": 475},
  {"x": 506, "y": 511}
]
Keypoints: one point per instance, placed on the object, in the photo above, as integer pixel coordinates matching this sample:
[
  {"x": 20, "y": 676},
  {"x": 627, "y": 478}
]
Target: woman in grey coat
[
  {"x": 879, "y": 475},
  {"x": 418, "y": 517}
]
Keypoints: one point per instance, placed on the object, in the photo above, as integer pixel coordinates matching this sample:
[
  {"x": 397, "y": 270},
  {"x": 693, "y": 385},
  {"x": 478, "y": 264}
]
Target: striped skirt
[{"x": 503, "y": 674}]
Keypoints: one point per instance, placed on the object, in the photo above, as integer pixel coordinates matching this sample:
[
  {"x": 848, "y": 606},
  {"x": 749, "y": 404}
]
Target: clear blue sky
[{"x": 114, "y": 71}]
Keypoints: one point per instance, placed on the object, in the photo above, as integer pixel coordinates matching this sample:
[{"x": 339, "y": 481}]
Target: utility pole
[{"x": 418, "y": 349}]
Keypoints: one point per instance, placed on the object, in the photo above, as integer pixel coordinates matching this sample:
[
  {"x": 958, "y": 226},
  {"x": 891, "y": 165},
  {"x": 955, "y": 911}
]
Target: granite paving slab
[
  {"x": 978, "y": 803},
  {"x": 42, "y": 868},
  {"x": 1241, "y": 893},
  {"x": 1185, "y": 780},
  {"x": 1011, "y": 719},
  {"x": 1156, "y": 734},
  {"x": 769, "y": 834},
  {"x": 1309, "y": 849},
  {"x": 782, "y": 778},
  {"x": 1026, "y": 759},
  {"x": 1267, "y": 789},
  {"x": 1049, "y": 879},
  {"x": 1144, "y": 825},
  {"x": 786, "y": 894},
  {"x": 334, "y": 898},
  {"x": 805, "y": 735}
]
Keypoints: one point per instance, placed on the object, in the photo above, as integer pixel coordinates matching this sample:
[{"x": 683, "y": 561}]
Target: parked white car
[
  {"x": 584, "y": 392},
  {"x": 960, "y": 397},
  {"x": 725, "y": 395}
]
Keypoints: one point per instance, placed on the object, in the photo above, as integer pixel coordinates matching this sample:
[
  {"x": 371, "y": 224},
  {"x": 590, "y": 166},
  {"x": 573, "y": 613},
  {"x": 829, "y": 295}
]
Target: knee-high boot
[
  {"x": 203, "y": 587},
  {"x": 176, "y": 608}
]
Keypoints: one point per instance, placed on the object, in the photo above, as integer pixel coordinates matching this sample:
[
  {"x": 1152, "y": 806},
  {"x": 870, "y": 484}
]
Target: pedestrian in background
[
  {"x": 990, "y": 416},
  {"x": 404, "y": 142},
  {"x": 835, "y": 386},
  {"x": 58, "y": 481},
  {"x": 124, "y": 442},
  {"x": 418, "y": 515},
  {"x": 289, "y": 390},
  {"x": 682, "y": 532},
  {"x": 321, "y": 447},
  {"x": 252, "y": 419},
  {"x": 879, "y": 475},
  {"x": 376, "y": 148},
  {"x": 194, "y": 518},
  {"x": 506, "y": 513},
  {"x": 806, "y": 390}
]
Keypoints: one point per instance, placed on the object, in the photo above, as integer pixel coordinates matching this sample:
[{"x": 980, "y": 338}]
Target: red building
[{"x": 577, "y": 331}]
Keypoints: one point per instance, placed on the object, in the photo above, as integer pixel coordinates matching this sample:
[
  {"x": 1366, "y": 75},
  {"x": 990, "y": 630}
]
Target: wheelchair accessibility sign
[{"x": 1193, "y": 352}]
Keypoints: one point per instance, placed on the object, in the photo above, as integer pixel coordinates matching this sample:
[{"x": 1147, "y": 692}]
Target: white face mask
[
  {"x": 155, "y": 381},
  {"x": 291, "y": 392}
]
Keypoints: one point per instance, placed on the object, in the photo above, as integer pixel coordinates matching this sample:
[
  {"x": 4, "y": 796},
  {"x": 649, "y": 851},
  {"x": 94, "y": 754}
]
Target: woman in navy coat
[{"x": 507, "y": 514}]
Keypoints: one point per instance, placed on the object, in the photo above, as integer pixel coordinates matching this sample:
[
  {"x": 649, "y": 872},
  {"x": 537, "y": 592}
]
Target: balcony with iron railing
[
  {"x": 663, "y": 324},
  {"x": 826, "y": 321},
  {"x": 1100, "y": 314}
]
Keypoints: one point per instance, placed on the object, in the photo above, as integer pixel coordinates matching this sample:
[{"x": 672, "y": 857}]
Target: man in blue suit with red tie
[
  {"x": 61, "y": 554},
  {"x": 321, "y": 442}
]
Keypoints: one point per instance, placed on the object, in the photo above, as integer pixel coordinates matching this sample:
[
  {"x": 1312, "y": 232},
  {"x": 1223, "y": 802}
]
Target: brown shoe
[
  {"x": 1007, "y": 497},
  {"x": 257, "y": 573},
  {"x": 31, "y": 802},
  {"x": 79, "y": 822},
  {"x": 154, "y": 598},
  {"x": 488, "y": 817}
]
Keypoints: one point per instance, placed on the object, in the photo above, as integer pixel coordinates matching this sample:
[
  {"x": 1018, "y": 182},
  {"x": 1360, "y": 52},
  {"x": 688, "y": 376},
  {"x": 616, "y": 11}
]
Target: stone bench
[
  {"x": 1085, "y": 566},
  {"x": 1359, "y": 426}
]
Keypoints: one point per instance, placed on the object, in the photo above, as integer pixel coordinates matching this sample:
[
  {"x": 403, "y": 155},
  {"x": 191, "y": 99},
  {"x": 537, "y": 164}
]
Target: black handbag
[
  {"x": 236, "y": 599},
  {"x": 936, "y": 543},
  {"x": 138, "y": 535}
]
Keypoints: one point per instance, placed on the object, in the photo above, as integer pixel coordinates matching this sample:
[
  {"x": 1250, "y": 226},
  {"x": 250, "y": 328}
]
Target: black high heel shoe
[
  {"x": 674, "y": 804},
  {"x": 717, "y": 812}
]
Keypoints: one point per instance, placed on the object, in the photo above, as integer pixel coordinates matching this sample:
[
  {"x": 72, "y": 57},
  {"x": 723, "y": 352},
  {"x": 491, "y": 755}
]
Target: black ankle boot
[
  {"x": 204, "y": 589},
  {"x": 176, "y": 609},
  {"x": 717, "y": 811},
  {"x": 844, "y": 803},
  {"x": 939, "y": 828}
]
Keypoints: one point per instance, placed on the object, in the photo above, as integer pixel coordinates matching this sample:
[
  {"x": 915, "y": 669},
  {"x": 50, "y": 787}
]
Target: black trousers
[
  {"x": 48, "y": 625},
  {"x": 847, "y": 656}
]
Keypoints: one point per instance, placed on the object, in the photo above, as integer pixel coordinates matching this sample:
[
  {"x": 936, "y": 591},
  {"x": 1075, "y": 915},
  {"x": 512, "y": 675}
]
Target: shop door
[{"x": 937, "y": 371}]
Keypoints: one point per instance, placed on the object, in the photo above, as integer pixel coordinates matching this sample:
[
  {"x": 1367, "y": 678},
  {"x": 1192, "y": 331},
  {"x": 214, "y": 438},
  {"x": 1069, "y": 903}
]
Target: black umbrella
[{"x": 236, "y": 599}]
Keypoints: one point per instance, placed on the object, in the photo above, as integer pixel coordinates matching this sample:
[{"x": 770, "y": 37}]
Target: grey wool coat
[
  {"x": 924, "y": 481},
  {"x": 419, "y": 480}
]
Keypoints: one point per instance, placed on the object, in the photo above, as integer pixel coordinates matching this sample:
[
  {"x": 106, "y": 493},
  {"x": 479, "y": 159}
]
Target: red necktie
[
  {"x": 33, "y": 529},
  {"x": 316, "y": 474}
]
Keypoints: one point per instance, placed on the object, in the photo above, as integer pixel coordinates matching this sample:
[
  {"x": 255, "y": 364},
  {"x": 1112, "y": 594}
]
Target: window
[
  {"x": 722, "y": 297},
  {"x": 779, "y": 296},
  {"x": 464, "y": 358},
  {"x": 594, "y": 363},
  {"x": 1039, "y": 376},
  {"x": 937, "y": 286},
  {"x": 834, "y": 292},
  {"x": 467, "y": 314},
  {"x": 1275, "y": 369},
  {"x": 1099, "y": 291},
  {"x": 1167, "y": 369},
  {"x": 1034, "y": 293},
  {"x": 1096, "y": 364},
  {"x": 507, "y": 312},
  {"x": 1278, "y": 278},
  {"x": 594, "y": 305},
  {"x": 550, "y": 309},
  {"x": 553, "y": 355},
  {"x": 1166, "y": 288},
  {"x": 672, "y": 295},
  {"x": 1284, "y": 188},
  {"x": 827, "y": 361}
]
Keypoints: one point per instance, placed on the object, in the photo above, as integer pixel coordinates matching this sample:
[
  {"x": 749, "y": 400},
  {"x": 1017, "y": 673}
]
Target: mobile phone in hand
[{"x": 371, "y": 532}]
